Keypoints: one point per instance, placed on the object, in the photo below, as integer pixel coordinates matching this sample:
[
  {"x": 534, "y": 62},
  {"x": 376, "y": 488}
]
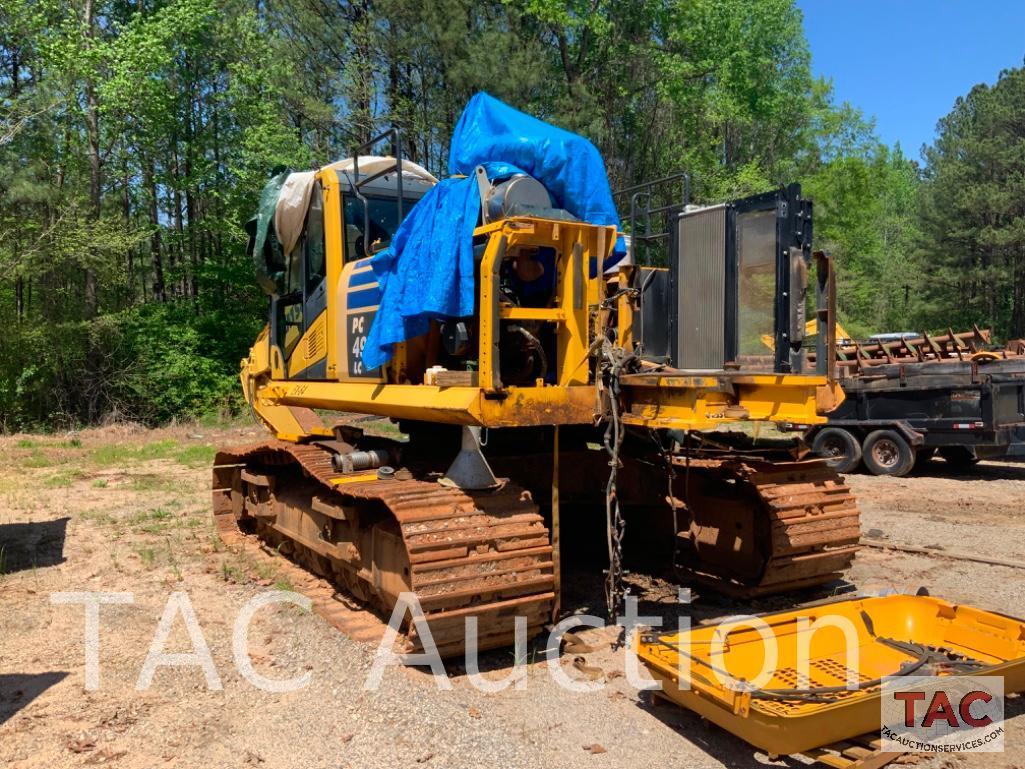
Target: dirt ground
[{"x": 126, "y": 510}]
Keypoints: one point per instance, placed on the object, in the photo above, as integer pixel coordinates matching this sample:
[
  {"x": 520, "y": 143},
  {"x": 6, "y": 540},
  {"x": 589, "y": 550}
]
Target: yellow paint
[
  {"x": 665, "y": 401},
  {"x": 810, "y": 329},
  {"x": 531, "y": 313},
  {"x": 701, "y": 668},
  {"x": 703, "y": 402},
  {"x": 311, "y": 348},
  {"x": 333, "y": 250},
  {"x": 366, "y": 477}
]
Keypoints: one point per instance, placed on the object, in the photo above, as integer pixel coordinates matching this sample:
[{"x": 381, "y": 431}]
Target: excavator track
[
  {"x": 760, "y": 527},
  {"x": 463, "y": 554}
]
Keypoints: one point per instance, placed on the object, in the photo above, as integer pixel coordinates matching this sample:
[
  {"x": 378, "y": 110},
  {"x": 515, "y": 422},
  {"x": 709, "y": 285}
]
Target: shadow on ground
[
  {"x": 18, "y": 690},
  {"x": 32, "y": 545},
  {"x": 1000, "y": 470}
]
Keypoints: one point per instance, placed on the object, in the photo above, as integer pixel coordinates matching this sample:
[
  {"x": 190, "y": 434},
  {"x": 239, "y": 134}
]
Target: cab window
[
  {"x": 384, "y": 220},
  {"x": 315, "y": 261}
]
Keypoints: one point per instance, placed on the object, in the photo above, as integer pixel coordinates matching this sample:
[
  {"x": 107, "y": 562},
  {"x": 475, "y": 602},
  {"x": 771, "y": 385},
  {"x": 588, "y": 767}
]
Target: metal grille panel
[{"x": 701, "y": 289}]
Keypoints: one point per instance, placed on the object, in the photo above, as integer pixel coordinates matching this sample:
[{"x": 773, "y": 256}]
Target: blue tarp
[
  {"x": 427, "y": 272},
  {"x": 568, "y": 165}
]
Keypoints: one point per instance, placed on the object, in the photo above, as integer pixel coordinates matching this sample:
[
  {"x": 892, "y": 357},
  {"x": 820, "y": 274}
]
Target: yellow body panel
[
  {"x": 576, "y": 312},
  {"x": 348, "y": 328},
  {"x": 675, "y": 401},
  {"x": 702, "y": 669},
  {"x": 311, "y": 348},
  {"x": 687, "y": 403},
  {"x": 334, "y": 247}
]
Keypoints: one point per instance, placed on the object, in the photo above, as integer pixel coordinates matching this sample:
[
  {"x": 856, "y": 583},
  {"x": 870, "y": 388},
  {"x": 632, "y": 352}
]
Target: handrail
[{"x": 395, "y": 135}]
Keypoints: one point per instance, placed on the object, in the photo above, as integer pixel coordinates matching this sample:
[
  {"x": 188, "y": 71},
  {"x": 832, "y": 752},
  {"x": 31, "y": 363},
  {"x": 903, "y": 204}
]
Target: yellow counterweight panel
[{"x": 702, "y": 402}]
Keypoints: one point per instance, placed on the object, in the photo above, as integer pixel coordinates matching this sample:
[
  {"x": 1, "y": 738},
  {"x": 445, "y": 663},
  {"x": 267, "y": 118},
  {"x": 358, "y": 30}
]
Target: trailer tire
[
  {"x": 885, "y": 452},
  {"x": 959, "y": 456},
  {"x": 840, "y": 449}
]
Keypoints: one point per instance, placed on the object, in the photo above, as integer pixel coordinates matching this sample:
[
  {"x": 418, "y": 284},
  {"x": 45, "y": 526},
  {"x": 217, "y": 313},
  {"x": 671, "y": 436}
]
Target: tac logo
[{"x": 948, "y": 714}]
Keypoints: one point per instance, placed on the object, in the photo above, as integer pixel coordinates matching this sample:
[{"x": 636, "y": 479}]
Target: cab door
[{"x": 298, "y": 314}]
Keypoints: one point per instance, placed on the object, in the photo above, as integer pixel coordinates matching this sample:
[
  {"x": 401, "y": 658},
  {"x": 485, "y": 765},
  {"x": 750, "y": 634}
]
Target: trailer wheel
[
  {"x": 959, "y": 456},
  {"x": 840, "y": 449},
  {"x": 885, "y": 452}
]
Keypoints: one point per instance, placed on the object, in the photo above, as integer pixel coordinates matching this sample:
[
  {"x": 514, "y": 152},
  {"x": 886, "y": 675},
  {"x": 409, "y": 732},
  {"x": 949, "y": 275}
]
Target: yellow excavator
[
  {"x": 621, "y": 392},
  {"x": 575, "y": 383}
]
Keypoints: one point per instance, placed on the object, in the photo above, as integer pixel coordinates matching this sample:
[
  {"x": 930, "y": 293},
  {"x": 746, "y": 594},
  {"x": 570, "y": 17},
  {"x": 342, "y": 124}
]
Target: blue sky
[{"x": 904, "y": 62}]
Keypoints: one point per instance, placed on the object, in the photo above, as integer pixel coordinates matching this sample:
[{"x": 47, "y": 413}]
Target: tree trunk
[
  {"x": 126, "y": 212},
  {"x": 92, "y": 121},
  {"x": 149, "y": 181}
]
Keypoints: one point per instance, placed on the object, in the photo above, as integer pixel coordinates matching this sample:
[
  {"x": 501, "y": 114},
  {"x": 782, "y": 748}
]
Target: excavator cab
[{"x": 359, "y": 208}]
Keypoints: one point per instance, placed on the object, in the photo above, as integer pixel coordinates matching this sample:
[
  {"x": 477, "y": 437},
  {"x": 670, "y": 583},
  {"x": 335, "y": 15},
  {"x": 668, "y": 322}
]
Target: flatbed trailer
[{"x": 896, "y": 416}]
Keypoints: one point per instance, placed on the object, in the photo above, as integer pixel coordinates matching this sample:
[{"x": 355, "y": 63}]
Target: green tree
[
  {"x": 135, "y": 136},
  {"x": 865, "y": 216},
  {"x": 973, "y": 211}
]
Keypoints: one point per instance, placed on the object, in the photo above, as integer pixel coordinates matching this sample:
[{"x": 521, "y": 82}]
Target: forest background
[{"x": 135, "y": 136}]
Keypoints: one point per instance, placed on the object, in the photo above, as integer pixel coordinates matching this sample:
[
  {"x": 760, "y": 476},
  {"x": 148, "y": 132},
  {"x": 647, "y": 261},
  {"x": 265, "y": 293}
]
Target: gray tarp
[{"x": 285, "y": 200}]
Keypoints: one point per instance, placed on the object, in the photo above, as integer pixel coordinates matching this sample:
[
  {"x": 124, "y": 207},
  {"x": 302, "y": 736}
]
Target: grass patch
[
  {"x": 157, "y": 514},
  {"x": 153, "y": 482},
  {"x": 284, "y": 584},
  {"x": 73, "y": 443},
  {"x": 25, "y": 443},
  {"x": 191, "y": 454},
  {"x": 195, "y": 454},
  {"x": 383, "y": 427},
  {"x": 232, "y": 573},
  {"x": 264, "y": 571},
  {"x": 62, "y": 479},
  {"x": 99, "y": 483},
  {"x": 175, "y": 568},
  {"x": 119, "y": 454},
  {"x": 156, "y": 521},
  {"x": 37, "y": 459},
  {"x": 99, "y": 516},
  {"x": 147, "y": 556}
]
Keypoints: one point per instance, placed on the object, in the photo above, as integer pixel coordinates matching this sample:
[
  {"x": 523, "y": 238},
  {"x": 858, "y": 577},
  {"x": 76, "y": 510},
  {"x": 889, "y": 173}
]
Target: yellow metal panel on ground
[{"x": 703, "y": 669}]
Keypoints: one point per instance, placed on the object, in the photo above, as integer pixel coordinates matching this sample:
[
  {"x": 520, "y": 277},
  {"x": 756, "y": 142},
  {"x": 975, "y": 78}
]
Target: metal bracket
[{"x": 484, "y": 186}]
